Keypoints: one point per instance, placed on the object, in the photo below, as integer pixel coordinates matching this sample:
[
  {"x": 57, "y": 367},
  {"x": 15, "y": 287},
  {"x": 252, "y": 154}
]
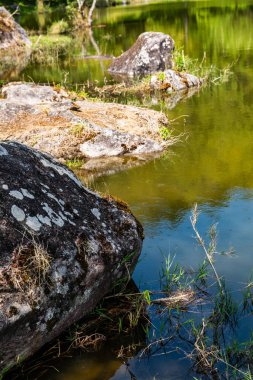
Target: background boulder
[
  {"x": 15, "y": 46},
  {"x": 150, "y": 53}
]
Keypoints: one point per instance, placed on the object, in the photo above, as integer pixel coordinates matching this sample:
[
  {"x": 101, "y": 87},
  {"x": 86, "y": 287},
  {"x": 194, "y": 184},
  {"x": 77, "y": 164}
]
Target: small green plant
[
  {"x": 165, "y": 133},
  {"x": 146, "y": 295},
  {"x": 184, "y": 63},
  {"x": 161, "y": 75},
  {"x": 210, "y": 73},
  {"x": 77, "y": 130},
  {"x": 76, "y": 163}
]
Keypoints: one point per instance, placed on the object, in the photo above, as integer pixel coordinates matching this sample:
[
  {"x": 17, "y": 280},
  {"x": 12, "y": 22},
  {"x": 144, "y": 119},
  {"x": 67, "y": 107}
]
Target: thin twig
[{"x": 193, "y": 220}]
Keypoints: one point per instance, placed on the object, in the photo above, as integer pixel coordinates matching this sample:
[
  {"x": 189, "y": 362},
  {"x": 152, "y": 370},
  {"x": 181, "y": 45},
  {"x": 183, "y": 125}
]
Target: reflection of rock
[
  {"x": 150, "y": 93},
  {"x": 102, "y": 353},
  {"x": 48, "y": 120},
  {"x": 110, "y": 165},
  {"x": 151, "y": 52},
  {"x": 14, "y": 45},
  {"x": 171, "y": 99},
  {"x": 62, "y": 249}
]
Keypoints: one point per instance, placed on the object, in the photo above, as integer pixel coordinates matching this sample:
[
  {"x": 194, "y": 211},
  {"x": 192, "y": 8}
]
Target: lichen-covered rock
[
  {"x": 12, "y": 36},
  {"x": 47, "y": 119},
  {"x": 62, "y": 248},
  {"x": 151, "y": 52},
  {"x": 171, "y": 81},
  {"x": 15, "y": 47},
  {"x": 32, "y": 94}
]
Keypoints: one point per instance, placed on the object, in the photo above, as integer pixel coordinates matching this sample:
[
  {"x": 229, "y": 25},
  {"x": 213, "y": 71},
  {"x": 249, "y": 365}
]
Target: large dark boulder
[
  {"x": 151, "y": 52},
  {"x": 62, "y": 248},
  {"x": 15, "y": 46}
]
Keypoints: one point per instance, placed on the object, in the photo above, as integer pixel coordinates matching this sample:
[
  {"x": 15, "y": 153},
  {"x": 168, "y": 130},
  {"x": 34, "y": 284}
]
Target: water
[{"x": 212, "y": 167}]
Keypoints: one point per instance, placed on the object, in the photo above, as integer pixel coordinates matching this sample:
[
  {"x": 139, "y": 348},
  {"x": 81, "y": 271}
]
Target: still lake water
[{"x": 213, "y": 167}]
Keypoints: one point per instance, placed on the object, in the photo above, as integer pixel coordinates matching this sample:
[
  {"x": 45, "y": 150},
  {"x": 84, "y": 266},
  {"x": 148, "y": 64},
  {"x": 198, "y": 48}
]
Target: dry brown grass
[
  {"x": 28, "y": 270},
  {"x": 87, "y": 342},
  {"x": 178, "y": 299},
  {"x": 25, "y": 122}
]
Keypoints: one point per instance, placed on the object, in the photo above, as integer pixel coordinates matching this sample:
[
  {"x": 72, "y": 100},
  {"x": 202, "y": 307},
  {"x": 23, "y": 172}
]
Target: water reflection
[{"x": 225, "y": 33}]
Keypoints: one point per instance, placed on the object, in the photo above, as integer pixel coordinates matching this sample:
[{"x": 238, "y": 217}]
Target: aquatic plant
[{"x": 165, "y": 133}]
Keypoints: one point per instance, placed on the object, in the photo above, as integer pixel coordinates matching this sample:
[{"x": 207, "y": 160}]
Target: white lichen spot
[
  {"x": 63, "y": 289},
  {"x": 16, "y": 194},
  {"x": 93, "y": 246},
  {"x": 33, "y": 222},
  {"x": 61, "y": 170},
  {"x": 44, "y": 220},
  {"x": 52, "y": 196},
  {"x": 27, "y": 194},
  {"x": 49, "y": 315},
  {"x": 5, "y": 187},
  {"x": 68, "y": 213},
  {"x": 42, "y": 184},
  {"x": 43, "y": 327},
  {"x": 56, "y": 219},
  {"x": 18, "y": 213},
  {"x": 75, "y": 212},
  {"x": 63, "y": 216},
  {"x": 96, "y": 213},
  {"x": 3, "y": 151}
]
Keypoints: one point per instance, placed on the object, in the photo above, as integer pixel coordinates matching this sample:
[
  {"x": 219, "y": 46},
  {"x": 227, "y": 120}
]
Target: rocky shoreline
[{"x": 48, "y": 120}]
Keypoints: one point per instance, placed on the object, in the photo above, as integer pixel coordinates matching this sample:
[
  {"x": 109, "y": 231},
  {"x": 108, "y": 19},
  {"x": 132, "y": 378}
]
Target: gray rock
[
  {"x": 11, "y": 33},
  {"x": 32, "y": 94},
  {"x": 49, "y": 121},
  {"x": 15, "y": 47},
  {"x": 62, "y": 248},
  {"x": 113, "y": 143},
  {"x": 151, "y": 52},
  {"x": 172, "y": 81}
]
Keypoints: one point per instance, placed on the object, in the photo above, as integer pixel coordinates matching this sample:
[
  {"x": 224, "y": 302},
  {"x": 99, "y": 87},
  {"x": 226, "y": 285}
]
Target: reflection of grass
[{"x": 49, "y": 49}]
